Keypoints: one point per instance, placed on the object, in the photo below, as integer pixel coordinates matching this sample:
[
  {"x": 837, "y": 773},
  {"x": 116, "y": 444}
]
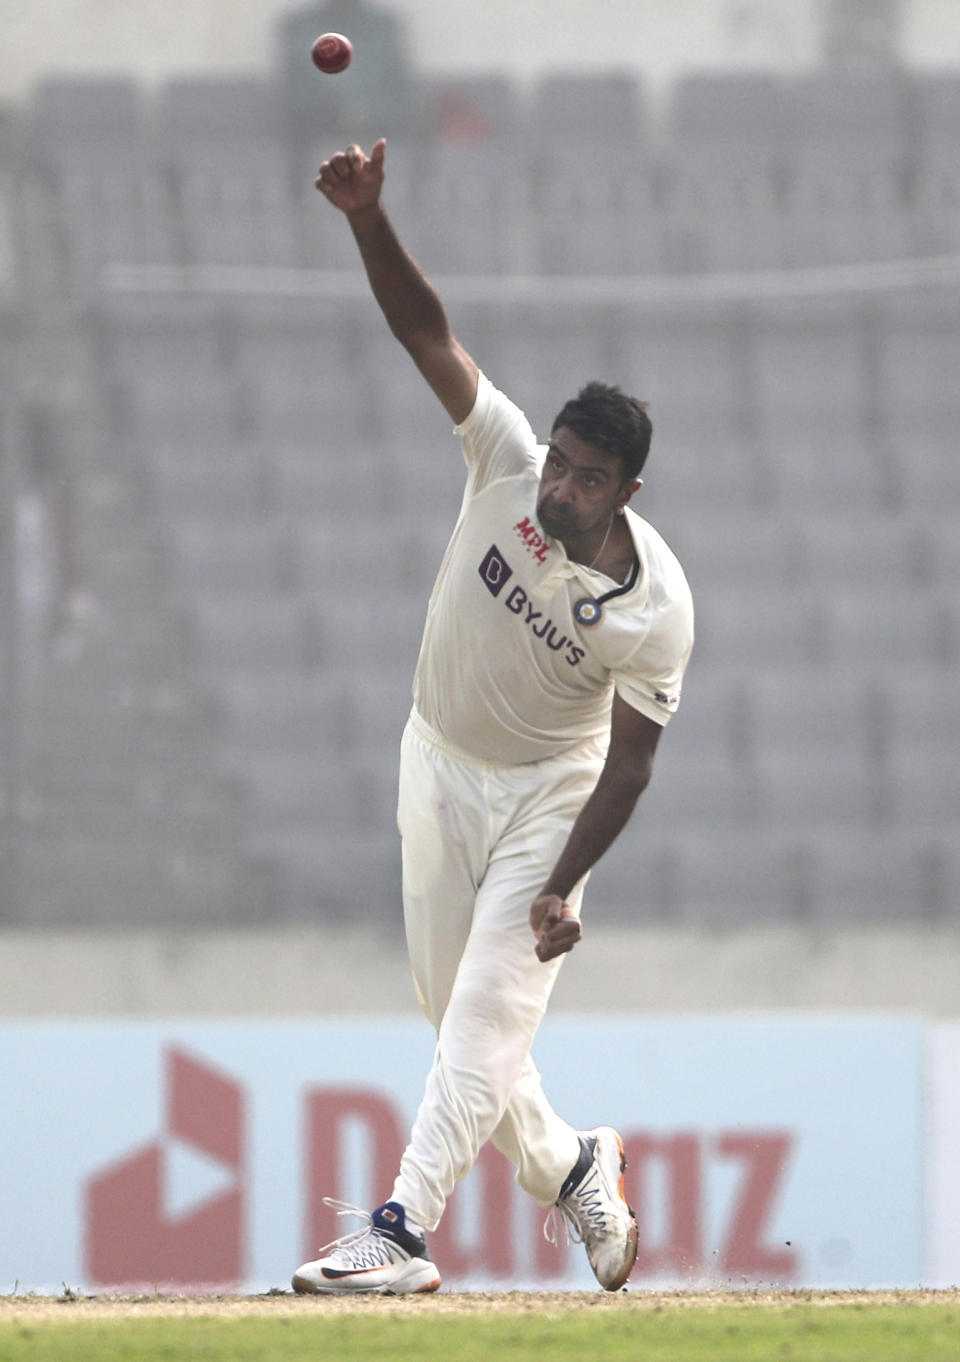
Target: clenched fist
[{"x": 555, "y": 925}]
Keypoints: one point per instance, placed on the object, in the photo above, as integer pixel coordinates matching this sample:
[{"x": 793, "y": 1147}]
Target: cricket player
[{"x": 556, "y": 639}]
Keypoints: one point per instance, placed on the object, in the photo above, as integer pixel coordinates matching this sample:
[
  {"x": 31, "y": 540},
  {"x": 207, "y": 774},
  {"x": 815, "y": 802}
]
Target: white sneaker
[
  {"x": 593, "y": 1209},
  {"x": 383, "y": 1256}
]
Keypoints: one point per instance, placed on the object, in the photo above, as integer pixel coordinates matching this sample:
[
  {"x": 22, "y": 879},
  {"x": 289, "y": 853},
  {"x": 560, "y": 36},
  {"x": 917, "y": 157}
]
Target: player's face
[{"x": 581, "y": 486}]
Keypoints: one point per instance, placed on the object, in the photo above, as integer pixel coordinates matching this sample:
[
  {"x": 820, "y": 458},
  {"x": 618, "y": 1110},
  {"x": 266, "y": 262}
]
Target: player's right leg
[{"x": 441, "y": 812}]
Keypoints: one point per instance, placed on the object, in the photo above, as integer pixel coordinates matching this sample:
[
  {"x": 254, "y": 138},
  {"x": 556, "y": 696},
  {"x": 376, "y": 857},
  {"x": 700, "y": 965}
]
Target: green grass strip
[{"x": 797, "y": 1333}]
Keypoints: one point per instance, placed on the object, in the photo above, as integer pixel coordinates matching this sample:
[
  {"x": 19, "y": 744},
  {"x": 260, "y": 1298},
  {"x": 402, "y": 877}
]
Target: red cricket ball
[{"x": 331, "y": 53}]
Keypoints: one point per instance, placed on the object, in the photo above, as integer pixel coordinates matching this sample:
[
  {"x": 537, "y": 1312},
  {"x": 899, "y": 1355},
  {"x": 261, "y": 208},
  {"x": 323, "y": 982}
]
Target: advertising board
[{"x": 762, "y": 1149}]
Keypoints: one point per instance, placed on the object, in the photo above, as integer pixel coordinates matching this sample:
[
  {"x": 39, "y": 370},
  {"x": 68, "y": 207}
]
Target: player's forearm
[
  {"x": 601, "y": 820},
  {"x": 409, "y": 302}
]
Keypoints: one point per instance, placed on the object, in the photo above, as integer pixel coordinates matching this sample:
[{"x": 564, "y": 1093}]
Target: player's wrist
[{"x": 365, "y": 217}]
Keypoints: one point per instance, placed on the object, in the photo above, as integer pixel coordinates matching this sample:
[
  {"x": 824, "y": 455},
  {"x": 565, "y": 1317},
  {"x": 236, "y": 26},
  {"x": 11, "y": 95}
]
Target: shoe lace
[
  {"x": 561, "y": 1226},
  {"x": 354, "y": 1236},
  {"x": 578, "y": 1216}
]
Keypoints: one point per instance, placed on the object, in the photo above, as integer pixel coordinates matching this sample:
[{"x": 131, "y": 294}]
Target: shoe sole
[
  {"x": 633, "y": 1235},
  {"x": 304, "y": 1287}
]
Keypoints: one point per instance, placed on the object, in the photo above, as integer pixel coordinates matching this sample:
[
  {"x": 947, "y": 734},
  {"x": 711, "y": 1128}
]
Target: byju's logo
[{"x": 495, "y": 571}]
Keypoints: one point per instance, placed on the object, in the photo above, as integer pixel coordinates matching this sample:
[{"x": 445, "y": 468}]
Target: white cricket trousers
[{"x": 479, "y": 840}]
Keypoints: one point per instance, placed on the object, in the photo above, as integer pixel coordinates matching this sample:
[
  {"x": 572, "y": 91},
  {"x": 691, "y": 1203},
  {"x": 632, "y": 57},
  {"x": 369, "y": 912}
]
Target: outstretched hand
[
  {"x": 555, "y": 925},
  {"x": 351, "y": 180}
]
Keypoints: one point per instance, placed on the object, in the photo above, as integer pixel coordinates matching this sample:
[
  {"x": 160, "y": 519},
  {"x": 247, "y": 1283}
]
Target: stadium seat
[
  {"x": 220, "y": 144},
  {"x": 299, "y": 372},
  {"x": 711, "y": 222},
  {"x": 736, "y": 118},
  {"x": 807, "y": 369},
  {"x": 471, "y": 108},
  {"x": 809, "y": 742},
  {"x": 163, "y": 353},
  {"x": 872, "y": 877},
  {"x": 862, "y": 548},
  {"x": 473, "y": 209},
  {"x": 287, "y": 711},
  {"x": 768, "y": 879},
  {"x": 760, "y": 629},
  {"x": 847, "y": 157},
  {"x": 601, "y": 223},
  {"x": 850, "y": 118},
  {"x": 918, "y": 714},
  {"x": 338, "y": 876},
  {"x": 217, "y": 558},
  {"x": 324, "y": 483},
  {"x": 691, "y": 366},
  {"x": 703, "y": 777},
  {"x": 722, "y": 555},
  {"x": 720, "y": 205},
  {"x": 89, "y": 154},
  {"x": 893, "y": 626},
  {"x": 936, "y": 163},
  {"x": 368, "y": 633},
  {"x": 918, "y": 359},
  {"x": 572, "y": 108},
  {"x": 839, "y": 214},
  {"x": 248, "y": 635}
]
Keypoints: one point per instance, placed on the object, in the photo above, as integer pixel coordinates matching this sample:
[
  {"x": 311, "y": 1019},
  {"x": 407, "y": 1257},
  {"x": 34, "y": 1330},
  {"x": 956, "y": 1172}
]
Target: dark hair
[{"x": 602, "y": 415}]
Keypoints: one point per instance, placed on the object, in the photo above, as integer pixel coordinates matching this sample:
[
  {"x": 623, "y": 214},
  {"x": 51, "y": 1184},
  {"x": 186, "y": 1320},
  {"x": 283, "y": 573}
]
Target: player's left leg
[{"x": 579, "y": 1174}]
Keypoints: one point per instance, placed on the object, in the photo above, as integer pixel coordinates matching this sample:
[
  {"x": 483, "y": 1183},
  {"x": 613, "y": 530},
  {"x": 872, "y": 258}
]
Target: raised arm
[{"x": 352, "y": 182}]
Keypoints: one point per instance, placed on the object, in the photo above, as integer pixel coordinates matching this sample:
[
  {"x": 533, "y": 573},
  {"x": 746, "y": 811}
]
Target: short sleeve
[
  {"x": 651, "y": 680},
  {"x": 496, "y": 438}
]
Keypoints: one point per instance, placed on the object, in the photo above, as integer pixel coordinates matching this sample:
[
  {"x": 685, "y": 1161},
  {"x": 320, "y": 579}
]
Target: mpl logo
[{"x": 173, "y": 1212}]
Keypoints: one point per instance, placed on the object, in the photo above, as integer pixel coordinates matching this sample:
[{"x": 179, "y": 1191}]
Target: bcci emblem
[{"x": 587, "y": 612}]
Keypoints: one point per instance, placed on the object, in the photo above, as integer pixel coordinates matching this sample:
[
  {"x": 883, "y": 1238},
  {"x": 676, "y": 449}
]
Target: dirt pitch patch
[{"x": 72, "y": 1308}]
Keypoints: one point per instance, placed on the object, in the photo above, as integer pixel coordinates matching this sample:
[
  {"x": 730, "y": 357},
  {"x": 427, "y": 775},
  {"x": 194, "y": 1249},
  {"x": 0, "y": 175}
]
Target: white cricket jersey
[{"x": 505, "y": 673}]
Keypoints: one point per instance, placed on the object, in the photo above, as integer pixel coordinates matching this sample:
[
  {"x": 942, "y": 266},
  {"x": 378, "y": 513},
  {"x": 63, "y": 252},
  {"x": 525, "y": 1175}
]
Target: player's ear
[{"x": 627, "y": 491}]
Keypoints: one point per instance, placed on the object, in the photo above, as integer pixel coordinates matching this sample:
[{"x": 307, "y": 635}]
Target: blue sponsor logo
[{"x": 495, "y": 571}]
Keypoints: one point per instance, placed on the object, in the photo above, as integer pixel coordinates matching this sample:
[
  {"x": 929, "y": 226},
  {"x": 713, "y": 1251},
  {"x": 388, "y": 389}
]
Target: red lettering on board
[
  {"x": 489, "y": 1246},
  {"x": 679, "y": 1157},
  {"x": 765, "y": 1158},
  {"x": 329, "y": 1114}
]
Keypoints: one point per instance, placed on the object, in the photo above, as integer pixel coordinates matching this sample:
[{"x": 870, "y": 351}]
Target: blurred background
[{"x": 225, "y": 490}]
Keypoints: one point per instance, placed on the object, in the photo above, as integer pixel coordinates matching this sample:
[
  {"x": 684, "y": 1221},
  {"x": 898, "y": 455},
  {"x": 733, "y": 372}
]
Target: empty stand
[
  {"x": 936, "y": 164},
  {"x": 855, "y": 118},
  {"x": 768, "y": 880},
  {"x": 918, "y": 354},
  {"x": 811, "y": 750},
  {"x": 721, "y": 204},
  {"x": 104, "y": 199},
  {"x": 918, "y": 712},
  {"x": 848, "y": 139},
  {"x": 473, "y": 196},
  {"x": 258, "y": 488},
  {"x": 595, "y": 223},
  {"x": 874, "y": 877},
  {"x": 220, "y": 144}
]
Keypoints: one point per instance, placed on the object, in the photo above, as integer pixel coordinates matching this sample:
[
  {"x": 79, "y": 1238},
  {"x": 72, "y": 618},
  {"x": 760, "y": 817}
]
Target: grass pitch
[{"x": 802, "y": 1326}]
